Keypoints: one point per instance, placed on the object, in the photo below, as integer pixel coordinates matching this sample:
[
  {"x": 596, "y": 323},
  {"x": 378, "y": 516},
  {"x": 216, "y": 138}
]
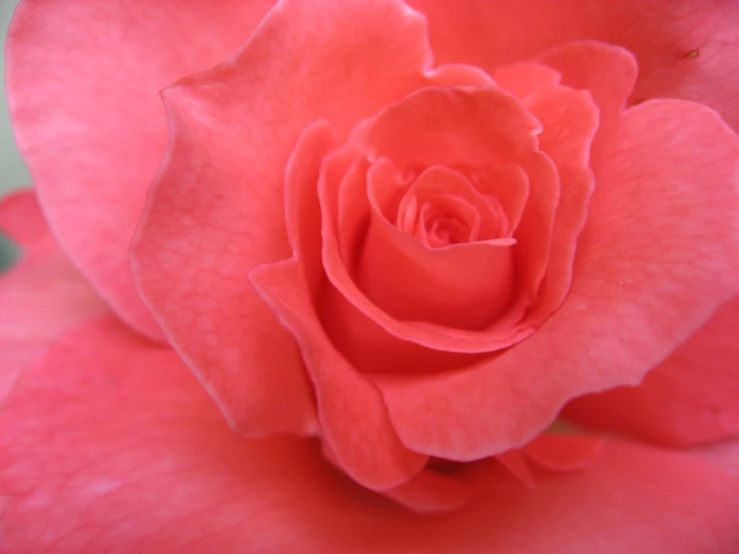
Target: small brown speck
[{"x": 692, "y": 54}]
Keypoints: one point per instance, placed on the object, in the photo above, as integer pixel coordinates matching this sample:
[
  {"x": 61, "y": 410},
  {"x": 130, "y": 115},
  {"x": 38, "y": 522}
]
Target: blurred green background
[{"x": 13, "y": 172}]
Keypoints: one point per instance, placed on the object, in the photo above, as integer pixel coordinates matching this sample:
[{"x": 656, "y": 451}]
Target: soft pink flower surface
[{"x": 368, "y": 276}]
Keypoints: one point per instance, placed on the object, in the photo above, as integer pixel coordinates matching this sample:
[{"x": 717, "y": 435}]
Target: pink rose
[{"x": 397, "y": 271}]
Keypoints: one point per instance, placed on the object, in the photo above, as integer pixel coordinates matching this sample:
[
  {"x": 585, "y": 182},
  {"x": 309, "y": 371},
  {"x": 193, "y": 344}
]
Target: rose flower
[{"x": 367, "y": 276}]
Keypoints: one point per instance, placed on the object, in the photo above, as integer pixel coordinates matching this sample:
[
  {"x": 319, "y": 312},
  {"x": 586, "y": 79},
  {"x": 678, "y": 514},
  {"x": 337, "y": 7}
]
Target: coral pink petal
[
  {"x": 558, "y": 452},
  {"x": 534, "y": 232},
  {"x": 683, "y": 48},
  {"x": 515, "y": 463},
  {"x": 353, "y": 416},
  {"x": 428, "y": 492},
  {"x": 525, "y": 78},
  {"x": 302, "y": 208},
  {"x": 216, "y": 210},
  {"x": 451, "y": 193},
  {"x": 83, "y": 87},
  {"x": 666, "y": 197},
  {"x": 369, "y": 337},
  {"x": 689, "y": 398},
  {"x": 431, "y": 492},
  {"x": 371, "y": 349},
  {"x": 470, "y": 127},
  {"x": 569, "y": 120},
  {"x": 607, "y": 73},
  {"x": 508, "y": 184},
  {"x": 460, "y": 285},
  {"x": 396, "y": 338},
  {"x": 346, "y": 170},
  {"x": 126, "y": 426},
  {"x": 354, "y": 422},
  {"x": 42, "y": 295}
]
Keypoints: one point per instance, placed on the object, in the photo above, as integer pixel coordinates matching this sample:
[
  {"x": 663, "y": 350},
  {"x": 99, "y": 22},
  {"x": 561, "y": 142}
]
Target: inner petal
[
  {"x": 464, "y": 285},
  {"x": 443, "y": 207},
  {"x": 453, "y": 222}
]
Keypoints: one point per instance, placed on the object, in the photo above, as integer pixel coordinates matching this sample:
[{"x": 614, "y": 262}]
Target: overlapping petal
[
  {"x": 216, "y": 209},
  {"x": 157, "y": 469},
  {"x": 354, "y": 422},
  {"x": 83, "y": 84},
  {"x": 689, "y": 398}
]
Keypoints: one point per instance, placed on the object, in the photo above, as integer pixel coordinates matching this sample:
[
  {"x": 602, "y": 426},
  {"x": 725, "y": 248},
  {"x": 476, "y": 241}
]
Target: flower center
[{"x": 442, "y": 207}]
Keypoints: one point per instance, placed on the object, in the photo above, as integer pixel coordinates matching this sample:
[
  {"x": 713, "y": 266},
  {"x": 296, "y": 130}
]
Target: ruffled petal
[
  {"x": 570, "y": 120},
  {"x": 689, "y": 398},
  {"x": 216, "y": 210},
  {"x": 353, "y": 417},
  {"x": 83, "y": 84}
]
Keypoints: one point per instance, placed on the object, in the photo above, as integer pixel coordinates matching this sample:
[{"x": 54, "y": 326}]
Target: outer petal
[
  {"x": 131, "y": 455},
  {"x": 355, "y": 427},
  {"x": 693, "y": 396},
  {"x": 83, "y": 81},
  {"x": 686, "y": 49},
  {"x": 666, "y": 197},
  {"x": 42, "y": 296},
  {"x": 569, "y": 120},
  {"x": 221, "y": 191},
  {"x": 353, "y": 417}
]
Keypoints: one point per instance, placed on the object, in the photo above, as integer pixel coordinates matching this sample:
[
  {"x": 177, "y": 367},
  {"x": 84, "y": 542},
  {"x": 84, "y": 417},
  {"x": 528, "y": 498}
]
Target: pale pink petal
[
  {"x": 216, "y": 210},
  {"x": 691, "y": 397},
  {"x": 132, "y": 456},
  {"x": 666, "y": 197},
  {"x": 83, "y": 84}
]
